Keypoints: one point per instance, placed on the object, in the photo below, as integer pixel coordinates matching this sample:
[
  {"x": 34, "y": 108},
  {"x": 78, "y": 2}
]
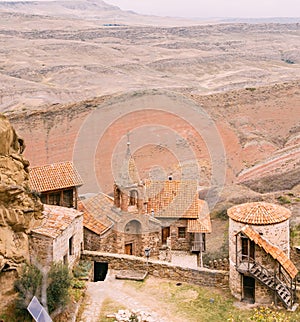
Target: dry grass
[
  {"x": 109, "y": 307},
  {"x": 194, "y": 303}
]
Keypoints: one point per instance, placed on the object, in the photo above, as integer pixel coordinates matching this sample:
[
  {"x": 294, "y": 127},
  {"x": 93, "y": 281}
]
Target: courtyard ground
[{"x": 165, "y": 300}]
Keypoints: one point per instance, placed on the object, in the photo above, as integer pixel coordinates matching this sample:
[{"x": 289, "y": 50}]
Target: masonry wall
[
  {"x": 199, "y": 276},
  {"x": 278, "y": 235},
  {"x": 114, "y": 242},
  {"x": 41, "y": 249},
  {"x": 177, "y": 243},
  {"x": 61, "y": 243}
]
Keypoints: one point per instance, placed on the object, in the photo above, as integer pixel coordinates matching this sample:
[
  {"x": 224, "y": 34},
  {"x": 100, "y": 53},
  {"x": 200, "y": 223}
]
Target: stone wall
[
  {"x": 199, "y": 276},
  {"x": 277, "y": 234},
  {"x": 41, "y": 250},
  {"x": 61, "y": 243},
  {"x": 103, "y": 243},
  {"x": 44, "y": 250},
  {"x": 114, "y": 242},
  {"x": 177, "y": 243}
]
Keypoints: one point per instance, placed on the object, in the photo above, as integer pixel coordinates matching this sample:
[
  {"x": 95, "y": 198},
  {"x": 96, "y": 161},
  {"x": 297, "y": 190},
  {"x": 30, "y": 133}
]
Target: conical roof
[
  {"x": 128, "y": 175},
  {"x": 259, "y": 213}
]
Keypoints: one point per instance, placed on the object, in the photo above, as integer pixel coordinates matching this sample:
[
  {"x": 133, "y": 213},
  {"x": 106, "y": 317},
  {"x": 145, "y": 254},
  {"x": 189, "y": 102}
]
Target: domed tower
[{"x": 260, "y": 268}]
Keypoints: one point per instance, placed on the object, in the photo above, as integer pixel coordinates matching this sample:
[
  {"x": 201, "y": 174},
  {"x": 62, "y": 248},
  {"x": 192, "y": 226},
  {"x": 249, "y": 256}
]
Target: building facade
[
  {"x": 260, "y": 268},
  {"x": 57, "y": 183},
  {"x": 58, "y": 238}
]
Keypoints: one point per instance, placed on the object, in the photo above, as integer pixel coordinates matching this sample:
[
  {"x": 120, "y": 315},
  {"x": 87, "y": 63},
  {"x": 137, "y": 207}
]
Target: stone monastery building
[{"x": 259, "y": 250}]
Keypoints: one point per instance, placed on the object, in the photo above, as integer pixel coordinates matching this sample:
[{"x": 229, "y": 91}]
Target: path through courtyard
[{"x": 126, "y": 295}]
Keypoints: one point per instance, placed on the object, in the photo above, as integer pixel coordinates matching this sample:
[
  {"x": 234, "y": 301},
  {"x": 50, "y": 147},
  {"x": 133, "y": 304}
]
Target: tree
[
  {"x": 32, "y": 283},
  {"x": 59, "y": 280},
  {"x": 28, "y": 285}
]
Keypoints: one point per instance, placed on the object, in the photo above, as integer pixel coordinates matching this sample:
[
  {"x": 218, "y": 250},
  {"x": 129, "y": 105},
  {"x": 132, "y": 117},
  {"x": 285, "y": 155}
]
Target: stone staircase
[{"x": 284, "y": 292}]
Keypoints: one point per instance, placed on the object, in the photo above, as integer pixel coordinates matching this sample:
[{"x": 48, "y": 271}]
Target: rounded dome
[{"x": 259, "y": 213}]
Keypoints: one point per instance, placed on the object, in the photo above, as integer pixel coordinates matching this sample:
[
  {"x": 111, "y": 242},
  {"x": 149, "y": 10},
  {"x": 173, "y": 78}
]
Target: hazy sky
[{"x": 213, "y": 8}]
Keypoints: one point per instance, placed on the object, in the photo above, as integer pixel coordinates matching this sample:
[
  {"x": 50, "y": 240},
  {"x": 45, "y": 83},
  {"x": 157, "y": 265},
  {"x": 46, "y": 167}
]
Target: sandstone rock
[{"x": 20, "y": 208}]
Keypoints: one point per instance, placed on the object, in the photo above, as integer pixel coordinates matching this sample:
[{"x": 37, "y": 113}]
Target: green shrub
[
  {"x": 59, "y": 282},
  {"x": 77, "y": 283},
  {"x": 82, "y": 269},
  {"x": 284, "y": 200},
  {"x": 28, "y": 285}
]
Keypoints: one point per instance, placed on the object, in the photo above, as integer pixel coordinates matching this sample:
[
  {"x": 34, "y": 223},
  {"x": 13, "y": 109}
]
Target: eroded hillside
[{"x": 62, "y": 59}]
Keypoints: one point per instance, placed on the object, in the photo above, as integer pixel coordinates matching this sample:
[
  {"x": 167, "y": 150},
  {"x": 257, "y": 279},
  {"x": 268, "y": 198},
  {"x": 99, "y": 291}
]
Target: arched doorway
[{"x": 133, "y": 238}]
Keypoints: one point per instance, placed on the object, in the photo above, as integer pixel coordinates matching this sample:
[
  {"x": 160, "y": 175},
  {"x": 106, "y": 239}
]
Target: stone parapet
[{"x": 198, "y": 276}]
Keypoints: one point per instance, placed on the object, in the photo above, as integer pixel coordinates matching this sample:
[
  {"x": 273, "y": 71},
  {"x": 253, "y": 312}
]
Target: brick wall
[{"x": 199, "y": 276}]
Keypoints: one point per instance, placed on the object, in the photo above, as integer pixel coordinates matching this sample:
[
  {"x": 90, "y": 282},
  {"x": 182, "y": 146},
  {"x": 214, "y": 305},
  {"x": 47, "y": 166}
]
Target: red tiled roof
[
  {"x": 91, "y": 223},
  {"x": 203, "y": 223},
  {"x": 274, "y": 251},
  {"x": 57, "y": 219},
  {"x": 96, "y": 211},
  {"x": 54, "y": 177},
  {"x": 259, "y": 213},
  {"x": 199, "y": 225},
  {"x": 173, "y": 198}
]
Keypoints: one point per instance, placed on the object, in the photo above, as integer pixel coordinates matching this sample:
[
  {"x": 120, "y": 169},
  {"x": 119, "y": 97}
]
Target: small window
[
  {"x": 65, "y": 260},
  {"x": 54, "y": 198},
  {"x": 181, "y": 232},
  {"x": 71, "y": 246},
  {"x": 133, "y": 198},
  {"x": 44, "y": 198}
]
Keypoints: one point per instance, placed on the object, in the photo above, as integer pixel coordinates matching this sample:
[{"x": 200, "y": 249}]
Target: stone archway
[{"x": 133, "y": 238}]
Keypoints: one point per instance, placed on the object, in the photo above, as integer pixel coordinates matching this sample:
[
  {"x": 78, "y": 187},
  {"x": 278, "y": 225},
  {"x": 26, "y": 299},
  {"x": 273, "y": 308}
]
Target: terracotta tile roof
[
  {"x": 274, "y": 251},
  {"x": 97, "y": 210},
  {"x": 172, "y": 198},
  {"x": 54, "y": 177},
  {"x": 259, "y": 213},
  {"x": 203, "y": 223},
  {"x": 57, "y": 219},
  {"x": 91, "y": 223}
]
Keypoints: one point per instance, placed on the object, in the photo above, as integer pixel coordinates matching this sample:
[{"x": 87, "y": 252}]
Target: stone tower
[
  {"x": 260, "y": 268},
  {"x": 129, "y": 191}
]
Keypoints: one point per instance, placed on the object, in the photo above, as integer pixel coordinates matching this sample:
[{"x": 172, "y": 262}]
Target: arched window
[
  {"x": 117, "y": 197},
  {"x": 133, "y": 197}
]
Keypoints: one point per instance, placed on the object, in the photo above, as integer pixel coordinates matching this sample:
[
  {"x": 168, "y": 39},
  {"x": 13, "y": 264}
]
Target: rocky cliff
[{"x": 20, "y": 208}]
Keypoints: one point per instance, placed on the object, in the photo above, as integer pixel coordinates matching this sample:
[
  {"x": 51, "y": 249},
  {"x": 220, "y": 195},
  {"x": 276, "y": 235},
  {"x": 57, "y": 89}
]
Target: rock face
[{"x": 20, "y": 208}]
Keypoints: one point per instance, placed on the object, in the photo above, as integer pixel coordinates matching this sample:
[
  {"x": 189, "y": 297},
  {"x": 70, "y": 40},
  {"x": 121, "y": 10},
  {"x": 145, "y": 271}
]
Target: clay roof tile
[
  {"x": 54, "y": 177},
  {"x": 274, "y": 251},
  {"x": 259, "y": 213},
  {"x": 56, "y": 220}
]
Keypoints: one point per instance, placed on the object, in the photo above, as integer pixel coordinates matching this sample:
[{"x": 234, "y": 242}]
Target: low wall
[{"x": 199, "y": 276}]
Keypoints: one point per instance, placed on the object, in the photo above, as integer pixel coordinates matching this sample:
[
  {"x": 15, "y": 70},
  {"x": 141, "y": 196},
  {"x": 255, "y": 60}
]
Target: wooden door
[
  {"x": 165, "y": 234},
  {"x": 128, "y": 249}
]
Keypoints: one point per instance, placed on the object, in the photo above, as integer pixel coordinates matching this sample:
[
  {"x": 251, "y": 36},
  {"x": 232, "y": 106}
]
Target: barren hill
[{"x": 61, "y": 60}]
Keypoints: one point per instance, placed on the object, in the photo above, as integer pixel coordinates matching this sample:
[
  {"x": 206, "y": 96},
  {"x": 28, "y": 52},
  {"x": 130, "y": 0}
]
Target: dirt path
[{"x": 126, "y": 295}]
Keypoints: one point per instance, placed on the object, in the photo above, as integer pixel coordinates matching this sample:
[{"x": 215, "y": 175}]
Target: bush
[
  {"x": 57, "y": 291},
  {"x": 82, "y": 269},
  {"x": 268, "y": 315},
  {"x": 284, "y": 200},
  {"x": 28, "y": 285},
  {"x": 78, "y": 284}
]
